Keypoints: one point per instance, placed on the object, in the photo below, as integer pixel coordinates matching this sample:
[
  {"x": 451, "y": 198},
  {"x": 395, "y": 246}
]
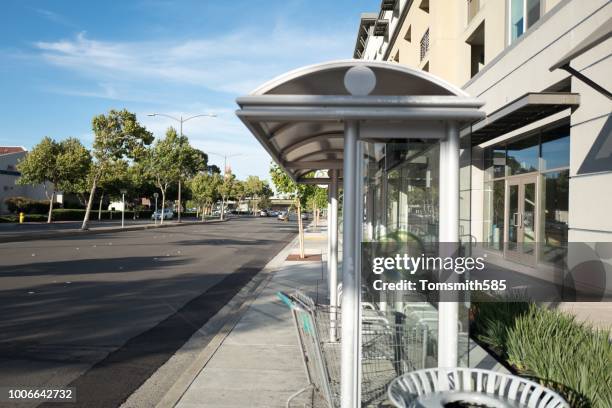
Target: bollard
[{"x": 21, "y": 217}]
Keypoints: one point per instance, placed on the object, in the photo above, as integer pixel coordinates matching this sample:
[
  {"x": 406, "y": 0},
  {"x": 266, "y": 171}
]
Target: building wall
[
  {"x": 511, "y": 70},
  {"x": 523, "y": 67},
  {"x": 8, "y": 186}
]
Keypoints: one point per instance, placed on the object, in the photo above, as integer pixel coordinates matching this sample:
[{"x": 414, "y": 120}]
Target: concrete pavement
[{"x": 258, "y": 362}]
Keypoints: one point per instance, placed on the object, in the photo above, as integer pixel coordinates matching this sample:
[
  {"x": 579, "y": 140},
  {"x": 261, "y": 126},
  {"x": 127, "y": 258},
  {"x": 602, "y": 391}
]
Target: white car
[{"x": 168, "y": 214}]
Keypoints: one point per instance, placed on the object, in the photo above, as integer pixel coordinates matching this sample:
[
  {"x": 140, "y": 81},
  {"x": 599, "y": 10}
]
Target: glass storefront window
[
  {"x": 555, "y": 148},
  {"x": 495, "y": 162},
  {"x": 523, "y": 156},
  {"x": 494, "y": 214},
  {"x": 555, "y": 215}
]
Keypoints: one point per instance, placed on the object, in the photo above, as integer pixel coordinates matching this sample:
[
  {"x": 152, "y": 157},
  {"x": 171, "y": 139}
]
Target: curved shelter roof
[{"x": 298, "y": 117}]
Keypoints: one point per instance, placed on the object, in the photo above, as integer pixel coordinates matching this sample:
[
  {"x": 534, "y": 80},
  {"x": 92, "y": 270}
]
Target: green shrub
[
  {"x": 551, "y": 347},
  {"x": 26, "y": 205},
  {"x": 28, "y": 218}
]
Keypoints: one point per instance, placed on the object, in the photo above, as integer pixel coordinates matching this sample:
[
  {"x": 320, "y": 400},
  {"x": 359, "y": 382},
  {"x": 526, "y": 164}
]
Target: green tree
[
  {"x": 162, "y": 163},
  {"x": 317, "y": 199},
  {"x": 239, "y": 192},
  {"x": 205, "y": 191},
  {"x": 226, "y": 190},
  {"x": 299, "y": 193},
  {"x": 189, "y": 161},
  {"x": 117, "y": 136},
  {"x": 58, "y": 166}
]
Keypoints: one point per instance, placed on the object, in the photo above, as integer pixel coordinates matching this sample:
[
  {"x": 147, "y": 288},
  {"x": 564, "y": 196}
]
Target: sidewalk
[{"x": 259, "y": 363}]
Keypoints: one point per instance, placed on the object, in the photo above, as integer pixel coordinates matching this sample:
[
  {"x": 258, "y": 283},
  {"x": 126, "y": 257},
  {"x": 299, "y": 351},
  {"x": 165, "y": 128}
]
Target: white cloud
[{"x": 235, "y": 63}]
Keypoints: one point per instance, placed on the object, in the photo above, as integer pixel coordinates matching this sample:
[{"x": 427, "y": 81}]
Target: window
[
  {"x": 555, "y": 149},
  {"x": 555, "y": 215},
  {"x": 523, "y": 155},
  {"x": 494, "y": 214},
  {"x": 522, "y": 15},
  {"x": 495, "y": 163}
]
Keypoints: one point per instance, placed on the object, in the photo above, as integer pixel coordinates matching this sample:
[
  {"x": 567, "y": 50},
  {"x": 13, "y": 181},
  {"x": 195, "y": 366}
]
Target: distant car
[
  {"x": 168, "y": 214},
  {"x": 282, "y": 216},
  {"x": 263, "y": 213},
  {"x": 273, "y": 213},
  {"x": 304, "y": 216}
]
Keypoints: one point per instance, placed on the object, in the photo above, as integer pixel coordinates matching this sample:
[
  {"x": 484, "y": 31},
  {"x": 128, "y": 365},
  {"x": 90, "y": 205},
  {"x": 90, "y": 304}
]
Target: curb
[
  {"x": 213, "y": 333},
  {"x": 72, "y": 233}
]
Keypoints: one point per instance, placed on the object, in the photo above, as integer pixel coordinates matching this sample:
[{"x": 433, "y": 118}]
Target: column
[
  {"x": 448, "y": 312},
  {"x": 349, "y": 360}
]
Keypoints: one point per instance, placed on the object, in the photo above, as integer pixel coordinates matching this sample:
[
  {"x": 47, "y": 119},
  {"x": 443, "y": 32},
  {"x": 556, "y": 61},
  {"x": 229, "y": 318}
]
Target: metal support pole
[
  {"x": 332, "y": 261},
  {"x": 349, "y": 369},
  {"x": 448, "y": 337},
  {"x": 122, "y": 209}
]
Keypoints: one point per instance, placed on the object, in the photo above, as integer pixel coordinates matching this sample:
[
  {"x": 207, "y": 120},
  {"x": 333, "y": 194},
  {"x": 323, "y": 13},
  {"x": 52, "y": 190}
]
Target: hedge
[
  {"x": 26, "y": 205},
  {"x": 551, "y": 347}
]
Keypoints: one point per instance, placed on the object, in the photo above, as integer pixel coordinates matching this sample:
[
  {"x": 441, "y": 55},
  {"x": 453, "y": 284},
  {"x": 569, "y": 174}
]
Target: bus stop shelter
[{"x": 315, "y": 118}]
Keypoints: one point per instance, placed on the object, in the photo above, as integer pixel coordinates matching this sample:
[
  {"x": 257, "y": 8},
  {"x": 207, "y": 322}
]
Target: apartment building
[{"x": 537, "y": 171}]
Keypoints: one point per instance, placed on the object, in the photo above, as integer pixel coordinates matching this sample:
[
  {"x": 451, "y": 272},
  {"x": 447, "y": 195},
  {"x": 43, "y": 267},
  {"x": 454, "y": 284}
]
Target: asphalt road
[
  {"x": 15, "y": 229},
  {"x": 102, "y": 312}
]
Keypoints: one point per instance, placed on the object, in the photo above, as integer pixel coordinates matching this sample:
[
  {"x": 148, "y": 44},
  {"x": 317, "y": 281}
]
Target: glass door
[{"x": 521, "y": 213}]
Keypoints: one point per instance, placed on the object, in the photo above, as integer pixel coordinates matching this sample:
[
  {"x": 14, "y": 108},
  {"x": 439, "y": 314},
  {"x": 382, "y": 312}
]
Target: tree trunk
[
  {"x": 161, "y": 218},
  {"x": 100, "y": 207},
  {"x": 50, "y": 216},
  {"x": 300, "y": 230},
  {"x": 180, "y": 207},
  {"x": 222, "y": 216},
  {"x": 89, "y": 203}
]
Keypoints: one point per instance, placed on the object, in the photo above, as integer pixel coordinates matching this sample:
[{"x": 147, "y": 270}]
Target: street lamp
[
  {"x": 181, "y": 120},
  {"x": 123, "y": 191},
  {"x": 155, "y": 213}
]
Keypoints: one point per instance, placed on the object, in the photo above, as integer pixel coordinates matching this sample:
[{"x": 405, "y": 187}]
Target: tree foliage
[
  {"x": 58, "y": 166},
  {"x": 117, "y": 136}
]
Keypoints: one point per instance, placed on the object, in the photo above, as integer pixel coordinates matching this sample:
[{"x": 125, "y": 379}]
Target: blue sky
[{"x": 62, "y": 62}]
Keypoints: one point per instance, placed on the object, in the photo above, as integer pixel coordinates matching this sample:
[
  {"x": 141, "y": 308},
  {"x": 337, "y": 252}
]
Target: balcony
[{"x": 424, "y": 45}]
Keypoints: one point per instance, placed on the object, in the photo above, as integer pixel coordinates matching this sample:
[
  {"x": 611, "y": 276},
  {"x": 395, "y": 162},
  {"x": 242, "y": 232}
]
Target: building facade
[
  {"x": 9, "y": 158},
  {"x": 537, "y": 171}
]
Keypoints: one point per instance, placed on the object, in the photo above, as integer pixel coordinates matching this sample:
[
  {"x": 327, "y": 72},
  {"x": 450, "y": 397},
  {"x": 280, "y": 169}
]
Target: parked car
[
  {"x": 168, "y": 214},
  {"x": 273, "y": 213},
  {"x": 263, "y": 213},
  {"x": 282, "y": 216}
]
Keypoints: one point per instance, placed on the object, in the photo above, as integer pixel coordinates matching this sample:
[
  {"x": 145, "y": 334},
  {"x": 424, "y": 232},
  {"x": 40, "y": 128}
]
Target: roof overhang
[
  {"x": 521, "y": 112},
  {"x": 299, "y": 117}
]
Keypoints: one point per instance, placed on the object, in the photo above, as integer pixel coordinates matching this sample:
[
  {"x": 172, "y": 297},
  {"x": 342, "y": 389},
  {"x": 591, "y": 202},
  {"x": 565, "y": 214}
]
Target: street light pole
[
  {"x": 180, "y": 120},
  {"x": 123, "y": 191}
]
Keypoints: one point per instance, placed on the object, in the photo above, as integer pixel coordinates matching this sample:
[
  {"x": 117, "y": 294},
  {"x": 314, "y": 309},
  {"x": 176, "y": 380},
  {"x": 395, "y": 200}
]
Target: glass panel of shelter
[{"x": 402, "y": 191}]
